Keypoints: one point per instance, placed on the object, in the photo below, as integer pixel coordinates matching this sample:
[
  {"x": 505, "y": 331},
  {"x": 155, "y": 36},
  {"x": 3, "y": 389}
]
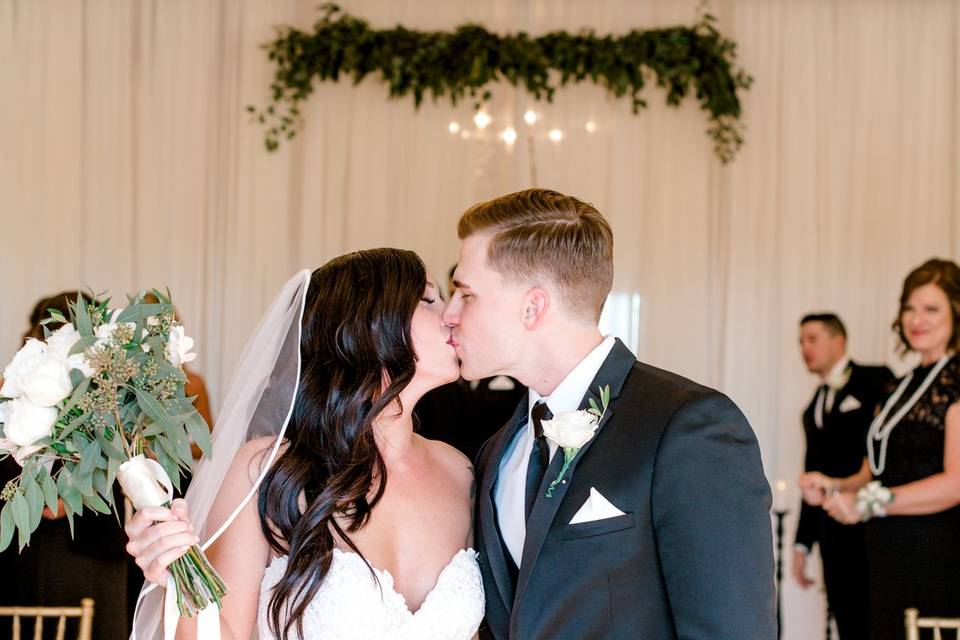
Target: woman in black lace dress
[{"x": 909, "y": 487}]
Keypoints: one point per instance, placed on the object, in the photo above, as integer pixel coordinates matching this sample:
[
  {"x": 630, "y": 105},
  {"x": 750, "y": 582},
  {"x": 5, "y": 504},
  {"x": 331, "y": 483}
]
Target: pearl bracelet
[{"x": 872, "y": 500}]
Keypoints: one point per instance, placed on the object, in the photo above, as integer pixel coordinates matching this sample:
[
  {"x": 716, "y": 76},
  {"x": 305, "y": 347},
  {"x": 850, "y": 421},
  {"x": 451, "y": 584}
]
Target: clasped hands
[{"x": 823, "y": 491}]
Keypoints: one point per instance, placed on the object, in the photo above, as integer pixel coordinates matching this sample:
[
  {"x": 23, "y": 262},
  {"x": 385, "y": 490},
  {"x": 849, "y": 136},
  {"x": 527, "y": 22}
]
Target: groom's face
[{"x": 484, "y": 313}]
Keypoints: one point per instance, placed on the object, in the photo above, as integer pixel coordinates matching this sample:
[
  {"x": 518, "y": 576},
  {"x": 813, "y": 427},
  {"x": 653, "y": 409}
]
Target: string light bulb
[
  {"x": 454, "y": 127},
  {"x": 590, "y": 126},
  {"x": 482, "y": 119},
  {"x": 530, "y": 117},
  {"x": 556, "y": 135},
  {"x": 509, "y": 135}
]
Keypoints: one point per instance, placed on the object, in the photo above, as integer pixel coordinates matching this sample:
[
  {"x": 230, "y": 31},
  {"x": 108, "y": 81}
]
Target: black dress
[
  {"x": 58, "y": 570},
  {"x": 915, "y": 560}
]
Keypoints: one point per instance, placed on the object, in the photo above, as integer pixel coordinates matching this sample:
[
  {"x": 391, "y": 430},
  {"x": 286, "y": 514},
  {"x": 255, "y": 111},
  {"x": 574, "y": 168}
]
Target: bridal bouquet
[{"x": 101, "y": 399}]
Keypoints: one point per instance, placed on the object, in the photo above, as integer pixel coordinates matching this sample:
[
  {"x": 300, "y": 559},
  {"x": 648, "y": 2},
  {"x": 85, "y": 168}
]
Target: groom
[{"x": 659, "y": 528}]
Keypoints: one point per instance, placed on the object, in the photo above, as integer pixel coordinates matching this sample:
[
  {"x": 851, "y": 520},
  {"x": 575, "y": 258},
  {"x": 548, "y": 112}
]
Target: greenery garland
[{"x": 464, "y": 62}]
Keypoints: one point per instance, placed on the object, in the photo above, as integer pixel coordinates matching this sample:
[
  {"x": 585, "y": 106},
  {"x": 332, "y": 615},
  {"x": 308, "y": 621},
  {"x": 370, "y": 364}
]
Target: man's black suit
[
  {"x": 837, "y": 450},
  {"x": 692, "y": 556}
]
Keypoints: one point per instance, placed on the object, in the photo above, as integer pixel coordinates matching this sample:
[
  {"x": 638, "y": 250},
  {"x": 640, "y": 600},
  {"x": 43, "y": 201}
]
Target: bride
[{"x": 361, "y": 528}]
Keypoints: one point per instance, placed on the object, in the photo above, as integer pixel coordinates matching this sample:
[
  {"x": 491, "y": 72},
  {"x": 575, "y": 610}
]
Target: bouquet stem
[{"x": 197, "y": 582}]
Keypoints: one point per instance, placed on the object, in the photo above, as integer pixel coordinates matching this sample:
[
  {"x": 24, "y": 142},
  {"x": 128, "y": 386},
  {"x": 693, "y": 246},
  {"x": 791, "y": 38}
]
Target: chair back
[
  {"x": 914, "y": 623},
  {"x": 38, "y": 614}
]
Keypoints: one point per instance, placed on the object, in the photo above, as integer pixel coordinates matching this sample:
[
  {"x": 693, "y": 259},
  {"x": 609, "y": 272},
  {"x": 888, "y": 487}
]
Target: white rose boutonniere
[{"x": 570, "y": 430}]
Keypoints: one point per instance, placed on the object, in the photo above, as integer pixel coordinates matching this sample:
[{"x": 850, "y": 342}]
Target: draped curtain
[{"x": 127, "y": 160}]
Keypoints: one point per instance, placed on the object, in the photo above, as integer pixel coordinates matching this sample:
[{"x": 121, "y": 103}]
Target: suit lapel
[
  {"x": 613, "y": 373},
  {"x": 493, "y": 545}
]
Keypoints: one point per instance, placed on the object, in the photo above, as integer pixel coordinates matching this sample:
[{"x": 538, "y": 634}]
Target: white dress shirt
[
  {"x": 511, "y": 485},
  {"x": 835, "y": 380}
]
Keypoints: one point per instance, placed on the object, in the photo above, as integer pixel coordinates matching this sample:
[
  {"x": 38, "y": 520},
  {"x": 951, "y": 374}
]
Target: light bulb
[
  {"x": 590, "y": 126},
  {"x": 530, "y": 117},
  {"x": 556, "y": 135},
  {"x": 482, "y": 119},
  {"x": 453, "y": 127},
  {"x": 509, "y": 135}
]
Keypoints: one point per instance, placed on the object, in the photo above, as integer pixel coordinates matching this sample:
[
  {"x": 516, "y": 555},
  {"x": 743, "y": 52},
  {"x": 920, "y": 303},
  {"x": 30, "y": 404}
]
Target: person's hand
[
  {"x": 842, "y": 507},
  {"x": 815, "y": 487},
  {"x": 799, "y": 569},
  {"x": 158, "y": 536}
]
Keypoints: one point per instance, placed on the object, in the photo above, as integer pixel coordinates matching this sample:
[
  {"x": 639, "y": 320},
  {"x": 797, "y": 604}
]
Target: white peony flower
[
  {"x": 25, "y": 422},
  {"x": 40, "y": 376},
  {"x": 61, "y": 341},
  {"x": 570, "y": 429},
  {"x": 178, "y": 347},
  {"x": 11, "y": 375}
]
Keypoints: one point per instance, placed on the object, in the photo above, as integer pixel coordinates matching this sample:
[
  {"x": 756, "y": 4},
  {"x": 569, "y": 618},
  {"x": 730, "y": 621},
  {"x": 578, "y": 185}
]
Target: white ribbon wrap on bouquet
[{"x": 147, "y": 484}]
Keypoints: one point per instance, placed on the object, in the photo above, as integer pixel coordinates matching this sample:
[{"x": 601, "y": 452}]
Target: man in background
[{"x": 835, "y": 424}]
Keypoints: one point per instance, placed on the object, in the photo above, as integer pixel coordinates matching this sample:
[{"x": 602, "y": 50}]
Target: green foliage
[
  {"x": 466, "y": 63},
  {"x": 133, "y": 403}
]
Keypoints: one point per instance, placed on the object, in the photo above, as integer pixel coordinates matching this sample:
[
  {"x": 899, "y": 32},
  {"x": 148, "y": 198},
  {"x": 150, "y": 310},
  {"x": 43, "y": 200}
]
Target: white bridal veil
[{"x": 259, "y": 403}]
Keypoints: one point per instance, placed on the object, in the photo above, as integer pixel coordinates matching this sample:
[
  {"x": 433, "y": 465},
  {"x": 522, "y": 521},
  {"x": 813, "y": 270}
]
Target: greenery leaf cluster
[
  {"x": 133, "y": 403},
  {"x": 467, "y": 62}
]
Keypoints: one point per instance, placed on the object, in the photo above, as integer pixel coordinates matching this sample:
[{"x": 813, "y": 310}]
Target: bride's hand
[{"x": 158, "y": 536}]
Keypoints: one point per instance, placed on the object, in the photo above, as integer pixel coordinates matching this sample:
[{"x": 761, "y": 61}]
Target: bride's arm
[{"x": 159, "y": 536}]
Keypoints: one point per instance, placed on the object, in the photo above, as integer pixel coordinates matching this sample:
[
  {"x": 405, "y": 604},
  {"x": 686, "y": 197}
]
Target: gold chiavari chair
[
  {"x": 914, "y": 623},
  {"x": 84, "y": 612}
]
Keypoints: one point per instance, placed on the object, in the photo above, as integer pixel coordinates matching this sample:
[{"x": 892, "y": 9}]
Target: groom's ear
[{"x": 535, "y": 304}]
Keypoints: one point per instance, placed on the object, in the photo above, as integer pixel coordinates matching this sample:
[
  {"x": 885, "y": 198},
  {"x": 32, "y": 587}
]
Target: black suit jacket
[
  {"x": 692, "y": 556},
  {"x": 838, "y": 449}
]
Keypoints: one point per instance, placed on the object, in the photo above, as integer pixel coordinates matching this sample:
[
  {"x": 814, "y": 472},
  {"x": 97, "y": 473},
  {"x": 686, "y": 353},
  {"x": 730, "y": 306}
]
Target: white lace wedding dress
[{"x": 350, "y": 605}]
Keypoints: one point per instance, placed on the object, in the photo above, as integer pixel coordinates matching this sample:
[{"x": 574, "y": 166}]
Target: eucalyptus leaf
[
  {"x": 21, "y": 516},
  {"x": 83, "y": 344},
  {"x": 82, "y": 318},
  {"x": 152, "y": 407},
  {"x": 7, "y": 526},
  {"x": 76, "y": 395},
  {"x": 169, "y": 464},
  {"x": 34, "y": 496},
  {"x": 200, "y": 432},
  {"x": 110, "y": 448},
  {"x": 50, "y": 495},
  {"x": 96, "y": 503},
  {"x": 89, "y": 458}
]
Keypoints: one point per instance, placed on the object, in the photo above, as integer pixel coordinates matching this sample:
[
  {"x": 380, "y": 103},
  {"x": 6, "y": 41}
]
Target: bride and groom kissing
[{"x": 620, "y": 501}]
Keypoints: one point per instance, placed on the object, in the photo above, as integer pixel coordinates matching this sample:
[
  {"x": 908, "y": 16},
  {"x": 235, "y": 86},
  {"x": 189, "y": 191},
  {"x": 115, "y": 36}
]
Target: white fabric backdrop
[{"x": 127, "y": 160}]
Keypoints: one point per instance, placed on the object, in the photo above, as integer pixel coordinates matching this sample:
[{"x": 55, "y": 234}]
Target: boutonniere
[{"x": 570, "y": 430}]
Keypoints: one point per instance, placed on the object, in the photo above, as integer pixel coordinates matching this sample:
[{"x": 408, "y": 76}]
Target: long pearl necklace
[{"x": 881, "y": 428}]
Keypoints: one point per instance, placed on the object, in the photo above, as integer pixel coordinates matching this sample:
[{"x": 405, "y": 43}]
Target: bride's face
[{"x": 437, "y": 362}]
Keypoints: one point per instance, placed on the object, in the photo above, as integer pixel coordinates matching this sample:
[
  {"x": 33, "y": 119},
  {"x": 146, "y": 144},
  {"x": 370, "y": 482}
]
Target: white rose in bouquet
[
  {"x": 59, "y": 344},
  {"x": 570, "y": 430},
  {"x": 24, "y": 422},
  {"x": 178, "y": 347},
  {"x": 40, "y": 376}
]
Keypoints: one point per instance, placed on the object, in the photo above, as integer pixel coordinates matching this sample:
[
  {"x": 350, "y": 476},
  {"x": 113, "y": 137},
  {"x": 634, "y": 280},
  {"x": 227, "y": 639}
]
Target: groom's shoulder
[
  {"x": 658, "y": 396},
  {"x": 647, "y": 380}
]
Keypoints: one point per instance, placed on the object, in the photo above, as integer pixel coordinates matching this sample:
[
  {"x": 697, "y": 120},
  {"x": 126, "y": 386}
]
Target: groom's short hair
[{"x": 538, "y": 233}]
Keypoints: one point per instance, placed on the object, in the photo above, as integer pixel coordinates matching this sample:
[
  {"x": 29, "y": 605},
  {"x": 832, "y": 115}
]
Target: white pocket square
[
  {"x": 849, "y": 404},
  {"x": 595, "y": 508}
]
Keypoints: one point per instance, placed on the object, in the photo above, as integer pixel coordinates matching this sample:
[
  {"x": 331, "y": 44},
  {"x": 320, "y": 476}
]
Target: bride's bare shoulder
[
  {"x": 455, "y": 464},
  {"x": 253, "y": 455}
]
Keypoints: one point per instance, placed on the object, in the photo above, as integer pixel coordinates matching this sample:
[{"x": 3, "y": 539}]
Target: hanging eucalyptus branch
[{"x": 465, "y": 62}]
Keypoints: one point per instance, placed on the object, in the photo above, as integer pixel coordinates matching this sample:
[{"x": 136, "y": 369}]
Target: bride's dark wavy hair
[{"x": 356, "y": 356}]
